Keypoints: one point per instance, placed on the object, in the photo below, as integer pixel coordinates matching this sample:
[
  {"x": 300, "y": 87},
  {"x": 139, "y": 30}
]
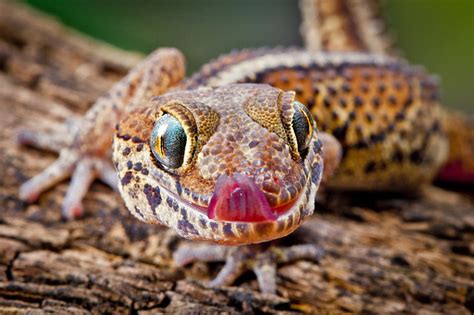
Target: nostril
[{"x": 238, "y": 198}]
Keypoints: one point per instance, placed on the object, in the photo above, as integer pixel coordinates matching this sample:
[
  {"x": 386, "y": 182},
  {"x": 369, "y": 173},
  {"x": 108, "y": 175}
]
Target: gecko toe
[
  {"x": 28, "y": 192},
  {"x": 188, "y": 253},
  {"x": 53, "y": 174},
  {"x": 234, "y": 267},
  {"x": 83, "y": 176},
  {"x": 108, "y": 174},
  {"x": 266, "y": 277},
  {"x": 73, "y": 212},
  {"x": 260, "y": 259},
  {"x": 83, "y": 171},
  {"x": 44, "y": 140}
]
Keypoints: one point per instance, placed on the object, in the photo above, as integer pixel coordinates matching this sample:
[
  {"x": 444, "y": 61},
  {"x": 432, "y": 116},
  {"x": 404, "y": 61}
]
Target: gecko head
[{"x": 235, "y": 165}]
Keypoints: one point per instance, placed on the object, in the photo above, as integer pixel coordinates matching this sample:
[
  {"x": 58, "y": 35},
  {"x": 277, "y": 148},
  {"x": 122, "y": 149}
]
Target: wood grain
[{"x": 384, "y": 254}]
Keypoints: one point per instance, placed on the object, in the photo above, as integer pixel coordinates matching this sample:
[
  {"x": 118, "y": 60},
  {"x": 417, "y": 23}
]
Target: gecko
[{"x": 235, "y": 154}]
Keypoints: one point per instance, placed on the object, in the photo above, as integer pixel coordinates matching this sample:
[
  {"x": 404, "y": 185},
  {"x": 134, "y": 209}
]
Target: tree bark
[{"x": 384, "y": 254}]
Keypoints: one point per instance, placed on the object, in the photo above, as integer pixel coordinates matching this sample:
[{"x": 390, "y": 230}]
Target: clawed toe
[
  {"x": 83, "y": 171},
  {"x": 86, "y": 171},
  {"x": 58, "y": 136},
  {"x": 81, "y": 180},
  {"x": 261, "y": 260},
  {"x": 53, "y": 174},
  {"x": 42, "y": 140}
]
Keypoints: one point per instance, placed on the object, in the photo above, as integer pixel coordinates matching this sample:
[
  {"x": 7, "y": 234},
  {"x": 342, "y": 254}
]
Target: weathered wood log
[{"x": 385, "y": 254}]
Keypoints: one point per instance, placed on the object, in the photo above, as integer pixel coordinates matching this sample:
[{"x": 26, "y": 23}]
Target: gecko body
[
  {"x": 232, "y": 155},
  {"x": 384, "y": 112}
]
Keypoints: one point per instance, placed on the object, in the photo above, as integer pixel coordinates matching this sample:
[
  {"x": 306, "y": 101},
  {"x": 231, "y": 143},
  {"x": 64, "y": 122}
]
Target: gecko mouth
[{"x": 239, "y": 199}]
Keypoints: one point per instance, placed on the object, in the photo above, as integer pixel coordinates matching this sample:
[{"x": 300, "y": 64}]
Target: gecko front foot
[
  {"x": 82, "y": 168},
  {"x": 263, "y": 260}
]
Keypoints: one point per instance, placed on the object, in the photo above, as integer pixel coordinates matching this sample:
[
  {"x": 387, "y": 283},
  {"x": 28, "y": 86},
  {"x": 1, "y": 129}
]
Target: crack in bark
[
  {"x": 9, "y": 272},
  {"x": 411, "y": 254}
]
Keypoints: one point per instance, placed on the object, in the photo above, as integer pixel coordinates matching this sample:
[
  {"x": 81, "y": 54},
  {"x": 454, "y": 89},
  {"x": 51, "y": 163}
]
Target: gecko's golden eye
[
  {"x": 168, "y": 142},
  {"x": 302, "y": 124}
]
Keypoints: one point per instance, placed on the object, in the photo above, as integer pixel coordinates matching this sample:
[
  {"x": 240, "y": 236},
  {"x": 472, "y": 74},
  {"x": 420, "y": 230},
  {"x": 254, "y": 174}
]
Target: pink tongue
[{"x": 238, "y": 198}]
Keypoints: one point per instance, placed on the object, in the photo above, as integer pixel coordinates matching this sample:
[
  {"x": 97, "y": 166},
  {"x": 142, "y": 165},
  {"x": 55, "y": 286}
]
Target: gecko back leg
[{"x": 84, "y": 148}]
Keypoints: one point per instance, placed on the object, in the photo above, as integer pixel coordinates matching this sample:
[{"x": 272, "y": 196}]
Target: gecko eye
[
  {"x": 168, "y": 142},
  {"x": 302, "y": 125}
]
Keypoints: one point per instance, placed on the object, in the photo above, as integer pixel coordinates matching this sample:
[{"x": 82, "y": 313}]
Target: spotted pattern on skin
[
  {"x": 373, "y": 127},
  {"x": 227, "y": 146},
  {"x": 385, "y": 113},
  {"x": 97, "y": 126},
  {"x": 345, "y": 25}
]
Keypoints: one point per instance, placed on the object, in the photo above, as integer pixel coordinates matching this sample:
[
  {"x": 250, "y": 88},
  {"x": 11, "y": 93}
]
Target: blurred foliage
[{"x": 438, "y": 34}]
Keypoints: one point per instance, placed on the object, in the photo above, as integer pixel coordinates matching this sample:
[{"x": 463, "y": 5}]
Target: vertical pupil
[
  {"x": 302, "y": 126},
  {"x": 161, "y": 146},
  {"x": 168, "y": 141}
]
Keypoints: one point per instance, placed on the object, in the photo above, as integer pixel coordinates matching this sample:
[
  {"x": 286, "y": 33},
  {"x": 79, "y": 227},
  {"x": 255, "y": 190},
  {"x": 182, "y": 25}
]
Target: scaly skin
[
  {"x": 238, "y": 129},
  {"x": 85, "y": 155},
  {"x": 384, "y": 114},
  {"x": 357, "y": 26},
  {"x": 388, "y": 132},
  {"x": 345, "y": 26}
]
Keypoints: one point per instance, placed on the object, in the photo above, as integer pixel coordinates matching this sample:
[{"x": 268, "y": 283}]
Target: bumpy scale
[{"x": 241, "y": 163}]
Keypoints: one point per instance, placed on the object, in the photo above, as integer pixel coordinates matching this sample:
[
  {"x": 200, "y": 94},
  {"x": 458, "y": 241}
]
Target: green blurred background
[{"x": 438, "y": 34}]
